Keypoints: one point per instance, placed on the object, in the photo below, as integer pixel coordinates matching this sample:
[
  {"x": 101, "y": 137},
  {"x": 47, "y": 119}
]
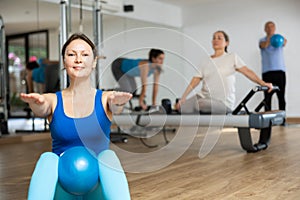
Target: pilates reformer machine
[{"x": 241, "y": 118}]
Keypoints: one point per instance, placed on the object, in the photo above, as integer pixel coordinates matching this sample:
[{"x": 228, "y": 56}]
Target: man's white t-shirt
[{"x": 218, "y": 75}]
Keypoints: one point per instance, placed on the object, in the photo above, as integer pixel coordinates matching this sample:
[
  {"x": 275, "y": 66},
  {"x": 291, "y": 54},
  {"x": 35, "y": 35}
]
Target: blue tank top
[
  {"x": 92, "y": 131},
  {"x": 130, "y": 67},
  {"x": 38, "y": 74}
]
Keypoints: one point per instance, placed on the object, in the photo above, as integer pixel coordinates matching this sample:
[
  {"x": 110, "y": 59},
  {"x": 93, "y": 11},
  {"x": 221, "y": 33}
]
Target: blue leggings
[{"x": 113, "y": 183}]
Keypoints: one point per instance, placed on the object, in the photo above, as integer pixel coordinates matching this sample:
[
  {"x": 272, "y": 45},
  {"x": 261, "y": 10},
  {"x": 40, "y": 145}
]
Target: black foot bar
[
  {"x": 246, "y": 139},
  {"x": 263, "y": 121}
]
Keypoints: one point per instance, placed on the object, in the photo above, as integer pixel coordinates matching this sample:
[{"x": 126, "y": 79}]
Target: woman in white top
[{"x": 217, "y": 95}]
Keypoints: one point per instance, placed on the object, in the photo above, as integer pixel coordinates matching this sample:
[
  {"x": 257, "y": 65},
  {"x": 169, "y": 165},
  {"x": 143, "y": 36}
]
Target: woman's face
[
  {"x": 79, "y": 59},
  {"x": 159, "y": 60},
  {"x": 219, "y": 41}
]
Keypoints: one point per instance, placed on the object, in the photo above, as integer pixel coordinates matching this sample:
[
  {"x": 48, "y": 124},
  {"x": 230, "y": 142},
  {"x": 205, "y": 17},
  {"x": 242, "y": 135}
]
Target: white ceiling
[
  {"x": 183, "y": 3},
  {"x": 30, "y": 15},
  {"x": 20, "y": 17}
]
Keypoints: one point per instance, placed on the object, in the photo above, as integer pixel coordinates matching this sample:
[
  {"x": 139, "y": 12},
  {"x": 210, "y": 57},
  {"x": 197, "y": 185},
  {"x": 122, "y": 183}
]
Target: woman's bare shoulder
[
  {"x": 51, "y": 98},
  {"x": 50, "y": 95}
]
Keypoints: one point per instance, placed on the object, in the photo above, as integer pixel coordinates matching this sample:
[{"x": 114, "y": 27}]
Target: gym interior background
[{"x": 243, "y": 20}]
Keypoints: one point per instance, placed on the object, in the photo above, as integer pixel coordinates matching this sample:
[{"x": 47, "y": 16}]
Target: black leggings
[
  {"x": 126, "y": 83},
  {"x": 277, "y": 78}
]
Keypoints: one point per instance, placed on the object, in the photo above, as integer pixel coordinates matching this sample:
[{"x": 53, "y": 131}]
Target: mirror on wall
[{"x": 22, "y": 49}]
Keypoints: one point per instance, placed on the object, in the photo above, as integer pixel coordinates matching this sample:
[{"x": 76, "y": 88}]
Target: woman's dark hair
[
  {"x": 154, "y": 53},
  {"x": 225, "y": 36},
  {"x": 32, "y": 65},
  {"x": 79, "y": 36}
]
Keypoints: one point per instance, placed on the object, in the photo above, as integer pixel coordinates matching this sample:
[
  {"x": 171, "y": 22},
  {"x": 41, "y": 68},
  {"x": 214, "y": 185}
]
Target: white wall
[
  {"x": 133, "y": 39},
  {"x": 244, "y": 21},
  {"x": 154, "y": 12}
]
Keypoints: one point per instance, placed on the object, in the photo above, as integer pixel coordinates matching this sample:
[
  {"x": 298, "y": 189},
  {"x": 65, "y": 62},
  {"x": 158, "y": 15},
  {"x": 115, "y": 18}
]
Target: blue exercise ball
[
  {"x": 277, "y": 40},
  {"x": 78, "y": 170}
]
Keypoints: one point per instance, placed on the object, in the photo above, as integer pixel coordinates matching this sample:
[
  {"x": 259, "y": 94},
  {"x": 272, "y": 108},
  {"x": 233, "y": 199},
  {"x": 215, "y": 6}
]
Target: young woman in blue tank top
[
  {"x": 125, "y": 70},
  {"x": 79, "y": 115}
]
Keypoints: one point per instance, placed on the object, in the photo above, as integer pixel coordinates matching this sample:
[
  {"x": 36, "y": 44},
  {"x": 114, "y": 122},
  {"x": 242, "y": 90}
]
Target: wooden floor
[{"x": 227, "y": 172}]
